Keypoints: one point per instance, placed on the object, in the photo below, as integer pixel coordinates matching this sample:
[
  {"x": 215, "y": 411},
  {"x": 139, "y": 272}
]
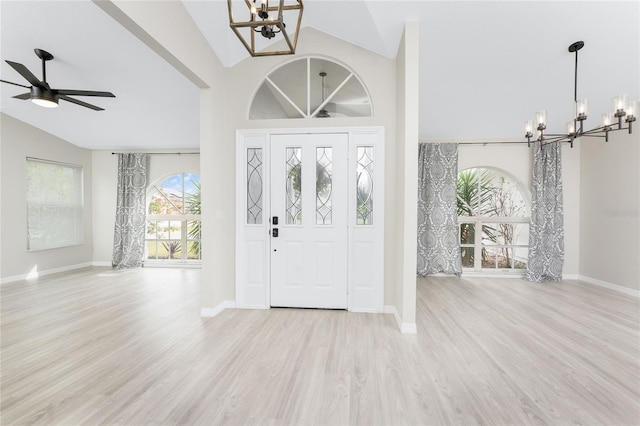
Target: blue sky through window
[{"x": 175, "y": 183}]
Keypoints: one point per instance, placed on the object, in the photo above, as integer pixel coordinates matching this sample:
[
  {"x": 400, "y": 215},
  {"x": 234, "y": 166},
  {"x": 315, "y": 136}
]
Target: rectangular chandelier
[{"x": 268, "y": 22}]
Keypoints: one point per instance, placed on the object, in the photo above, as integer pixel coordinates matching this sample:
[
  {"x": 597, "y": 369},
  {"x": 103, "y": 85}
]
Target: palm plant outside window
[
  {"x": 173, "y": 220},
  {"x": 493, "y": 216}
]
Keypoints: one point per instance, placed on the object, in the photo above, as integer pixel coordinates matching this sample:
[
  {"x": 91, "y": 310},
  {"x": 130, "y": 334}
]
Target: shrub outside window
[{"x": 493, "y": 218}]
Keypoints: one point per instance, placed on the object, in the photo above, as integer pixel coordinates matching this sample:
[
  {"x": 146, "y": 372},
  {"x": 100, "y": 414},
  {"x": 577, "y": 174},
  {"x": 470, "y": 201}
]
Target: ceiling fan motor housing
[{"x": 44, "y": 94}]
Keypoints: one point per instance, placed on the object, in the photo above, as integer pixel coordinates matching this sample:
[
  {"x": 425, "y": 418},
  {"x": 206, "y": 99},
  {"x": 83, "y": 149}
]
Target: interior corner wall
[
  {"x": 378, "y": 75},
  {"x": 610, "y": 210},
  {"x": 407, "y": 63},
  {"x": 104, "y": 183},
  {"x": 19, "y": 140}
]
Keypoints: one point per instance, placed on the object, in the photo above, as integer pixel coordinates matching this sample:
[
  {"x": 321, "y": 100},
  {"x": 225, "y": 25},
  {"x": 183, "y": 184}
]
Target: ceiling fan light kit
[
  {"x": 44, "y": 97},
  {"x": 40, "y": 93},
  {"x": 575, "y": 128},
  {"x": 268, "y": 21}
]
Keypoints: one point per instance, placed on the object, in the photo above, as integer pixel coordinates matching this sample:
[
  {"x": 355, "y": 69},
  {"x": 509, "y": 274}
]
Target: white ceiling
[
  {"x": 485, "y": 67},
  {"x": 155, "y": 106}
]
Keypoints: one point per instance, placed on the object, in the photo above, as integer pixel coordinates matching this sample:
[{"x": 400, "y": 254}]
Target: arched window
[
  {"x": 173, "y": 220},
  {"x": 310, "y": 88},
  {"x": 493, "y": 215}
]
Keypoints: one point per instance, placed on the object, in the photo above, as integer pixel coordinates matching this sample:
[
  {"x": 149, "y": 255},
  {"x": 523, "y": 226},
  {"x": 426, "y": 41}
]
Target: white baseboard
[
  {"x": 405, "y": 328},
  {"x": 101, "y": 263},
  {"x": 409, "y": 328},
  {"x": 212, "y": 312},
  {"x": 604, "y": 284},
  {"x": 35, "y": 273}
]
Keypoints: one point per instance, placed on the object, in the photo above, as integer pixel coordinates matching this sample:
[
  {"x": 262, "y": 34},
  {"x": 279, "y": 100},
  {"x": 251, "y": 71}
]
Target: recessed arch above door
[{"x": 311, "y": 87}]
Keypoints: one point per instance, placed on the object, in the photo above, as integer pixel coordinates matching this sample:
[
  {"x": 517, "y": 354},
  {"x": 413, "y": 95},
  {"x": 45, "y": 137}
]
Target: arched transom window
[
  {"x": 493, "y": 215},
  {"x": 310, "y": 88}
]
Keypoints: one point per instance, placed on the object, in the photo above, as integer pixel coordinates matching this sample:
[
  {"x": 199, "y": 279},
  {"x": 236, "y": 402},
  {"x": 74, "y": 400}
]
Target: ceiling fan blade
[
  {"x": 24, "y": 96},
  {"x": 16, "y": 84},
  {"x": 85, "y": 93},
  {"x": 23, "y": 71},
  {"x": 77, "y": 102}
]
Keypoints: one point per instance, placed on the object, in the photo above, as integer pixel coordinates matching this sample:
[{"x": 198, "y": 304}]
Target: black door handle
[{"x": 274, "y": 232}]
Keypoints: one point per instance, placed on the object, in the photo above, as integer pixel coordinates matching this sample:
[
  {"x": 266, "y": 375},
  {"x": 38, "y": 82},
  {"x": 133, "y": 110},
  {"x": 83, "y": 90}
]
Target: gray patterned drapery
[
  {"x": 438, "y": 244},
  {"x": 546, "y": 231},
  {"x": 129, "y": 233}
]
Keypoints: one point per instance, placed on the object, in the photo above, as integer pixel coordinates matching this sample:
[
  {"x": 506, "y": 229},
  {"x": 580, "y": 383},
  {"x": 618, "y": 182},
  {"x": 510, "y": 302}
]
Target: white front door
[{"x": 308, "y": 247}]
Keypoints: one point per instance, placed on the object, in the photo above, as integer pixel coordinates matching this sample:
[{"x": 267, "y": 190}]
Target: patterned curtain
[
  {"x": 128, "y": 238},
  {"x": 438, "y": 245},
  {"x": 546, "y": 232}
]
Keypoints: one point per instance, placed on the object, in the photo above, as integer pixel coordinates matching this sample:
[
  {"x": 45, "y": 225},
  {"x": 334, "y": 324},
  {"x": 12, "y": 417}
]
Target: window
[
  {"x": 493, "y": 218},
  {"x": 173, "y": 220},
  {"x": 310, "y": 87},
  {"x": 54, "y": 205}
]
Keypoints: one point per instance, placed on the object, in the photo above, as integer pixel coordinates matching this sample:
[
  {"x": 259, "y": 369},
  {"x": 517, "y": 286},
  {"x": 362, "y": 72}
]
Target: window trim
[
  {"x": 184, "y": 220},
  {"x": 479, "y": 220},
  {"x": 77, "y": 206},
  {"x": 309, "y": 113}
]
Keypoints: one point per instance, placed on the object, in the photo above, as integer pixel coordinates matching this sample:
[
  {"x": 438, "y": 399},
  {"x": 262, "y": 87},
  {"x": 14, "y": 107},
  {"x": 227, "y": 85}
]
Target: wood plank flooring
[{"x": 99, "y": 346}]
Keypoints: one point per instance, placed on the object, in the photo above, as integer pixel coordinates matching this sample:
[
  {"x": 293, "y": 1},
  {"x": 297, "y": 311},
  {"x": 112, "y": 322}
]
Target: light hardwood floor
[{"x": 128, "y": 347}]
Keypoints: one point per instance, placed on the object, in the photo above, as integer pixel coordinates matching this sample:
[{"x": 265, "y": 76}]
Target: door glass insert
[
  {"x": 254, "y": 186},
  {"x": 293, "y": 190},
  {"x": 364, "y": 186},
  {"x": 323, "y": 185}
]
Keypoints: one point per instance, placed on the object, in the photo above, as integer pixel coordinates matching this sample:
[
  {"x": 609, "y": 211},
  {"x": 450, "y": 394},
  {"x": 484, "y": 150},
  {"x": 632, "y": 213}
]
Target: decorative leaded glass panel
[
  {"x": 364, "y": 186},
  {"x": 324, "y": 165},
  {"x": 254, "y": 186},
  {"x": 293, "y": 190}
]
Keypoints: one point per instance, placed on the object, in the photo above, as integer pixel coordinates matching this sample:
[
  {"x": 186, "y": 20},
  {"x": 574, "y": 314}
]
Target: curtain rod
[
  {"x": 158, "y": 153},
  {"x": 492, "y": 143}
]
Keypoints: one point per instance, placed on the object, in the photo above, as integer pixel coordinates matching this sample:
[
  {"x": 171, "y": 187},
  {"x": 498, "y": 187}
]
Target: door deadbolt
[{"x": 274, "y": 232}]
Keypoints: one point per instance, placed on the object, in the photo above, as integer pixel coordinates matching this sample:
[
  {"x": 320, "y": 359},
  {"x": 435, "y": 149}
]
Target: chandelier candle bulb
[
  {"x": 541, "y": 119},
  {"x": 528, "y": 128},
  {"x": 571, "y": 128},
  {"x": 632, "y": 110},
  {"x": 582, "y": 110},
  {"x": 620, "y": 104}
]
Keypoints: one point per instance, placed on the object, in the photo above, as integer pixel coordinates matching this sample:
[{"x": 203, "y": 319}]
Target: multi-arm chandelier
[
  {"x": 622, "y": 109},
  {"x": 267, "y": 21}
]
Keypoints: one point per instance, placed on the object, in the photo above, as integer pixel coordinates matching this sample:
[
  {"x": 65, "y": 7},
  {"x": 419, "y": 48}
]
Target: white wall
[
  {"x": 406, "y": 163},
  {"x": 104, "y": 188},
  {"x": 19, "y": 140},
  {"x": 610, "y": 210}
]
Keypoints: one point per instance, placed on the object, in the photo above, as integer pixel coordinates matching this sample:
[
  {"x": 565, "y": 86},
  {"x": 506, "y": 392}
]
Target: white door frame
[{"x": 365, "y": 243}]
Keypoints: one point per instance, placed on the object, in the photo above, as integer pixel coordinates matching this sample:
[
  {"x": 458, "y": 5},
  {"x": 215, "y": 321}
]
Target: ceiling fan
[{"x": 42, "y": 94}]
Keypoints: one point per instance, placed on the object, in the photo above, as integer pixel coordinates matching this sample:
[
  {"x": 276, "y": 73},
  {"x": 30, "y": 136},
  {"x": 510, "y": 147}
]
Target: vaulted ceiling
[{"x": 485, "y": 66}]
